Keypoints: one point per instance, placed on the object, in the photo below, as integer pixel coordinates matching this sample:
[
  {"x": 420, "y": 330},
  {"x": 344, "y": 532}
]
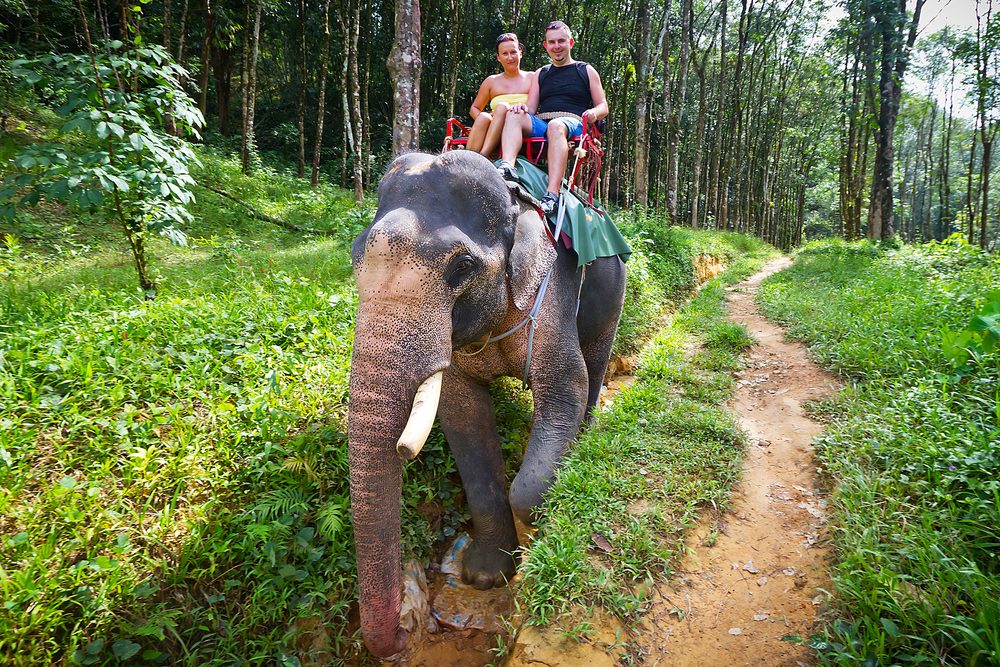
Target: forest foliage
[{"x": 783, "y": 118}]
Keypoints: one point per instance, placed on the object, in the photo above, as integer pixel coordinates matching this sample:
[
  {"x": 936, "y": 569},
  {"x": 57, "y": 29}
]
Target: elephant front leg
[
  {"x": 559, "y": 391},
  {"x": 469, "y": 424}
]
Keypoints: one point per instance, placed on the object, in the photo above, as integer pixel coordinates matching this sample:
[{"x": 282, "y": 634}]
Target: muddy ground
[{"x": 753, "y": 574}]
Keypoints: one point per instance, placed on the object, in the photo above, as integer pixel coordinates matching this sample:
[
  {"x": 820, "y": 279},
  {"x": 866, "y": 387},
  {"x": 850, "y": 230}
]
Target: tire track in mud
[{"x": 753, "y": 574}]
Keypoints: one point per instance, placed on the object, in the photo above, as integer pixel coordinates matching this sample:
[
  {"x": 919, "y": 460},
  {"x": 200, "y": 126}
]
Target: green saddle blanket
[{"x": 591, "y": 232}]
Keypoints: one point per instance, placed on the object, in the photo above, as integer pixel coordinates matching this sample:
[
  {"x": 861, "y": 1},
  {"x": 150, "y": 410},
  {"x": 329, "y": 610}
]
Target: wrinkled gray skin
[{"x": 452, "y": 256}]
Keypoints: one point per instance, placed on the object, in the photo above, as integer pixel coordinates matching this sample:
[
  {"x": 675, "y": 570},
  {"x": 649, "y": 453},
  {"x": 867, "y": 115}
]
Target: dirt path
[{"x": 752, "y": 574}]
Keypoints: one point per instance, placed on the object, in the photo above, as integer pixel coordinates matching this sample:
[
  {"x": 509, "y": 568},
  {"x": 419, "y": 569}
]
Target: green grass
[
  {"x": 173, "y": 473},
  {"x": 913, "y": 448},
  {"x": 641, "y": 474}
]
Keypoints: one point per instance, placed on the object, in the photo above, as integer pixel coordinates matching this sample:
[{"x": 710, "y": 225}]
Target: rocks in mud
[{"x": 459, "y": 606}]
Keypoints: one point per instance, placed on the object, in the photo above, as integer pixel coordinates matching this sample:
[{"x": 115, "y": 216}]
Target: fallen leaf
[{"x": 602, "y": 543}]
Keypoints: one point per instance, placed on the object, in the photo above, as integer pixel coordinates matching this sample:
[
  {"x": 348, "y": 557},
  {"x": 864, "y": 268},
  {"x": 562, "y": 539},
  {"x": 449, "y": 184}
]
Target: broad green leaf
[
  {"x": 125, "y": 649},
  {"x": 890, "y": 626}
]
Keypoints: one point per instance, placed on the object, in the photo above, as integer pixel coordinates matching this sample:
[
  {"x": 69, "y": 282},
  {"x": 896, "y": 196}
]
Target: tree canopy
[{"x": 765, "y": 116}]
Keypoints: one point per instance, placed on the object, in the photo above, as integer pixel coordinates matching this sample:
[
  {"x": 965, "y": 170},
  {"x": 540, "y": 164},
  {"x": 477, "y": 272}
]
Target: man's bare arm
[{"x": 600, "y": 108}]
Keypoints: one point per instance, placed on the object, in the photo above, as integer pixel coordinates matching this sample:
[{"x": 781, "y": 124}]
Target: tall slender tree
[
  {"x": 321, "y": 103},
  {"x": 890, "y": 20},
  {"x": 404, "y": 69}
]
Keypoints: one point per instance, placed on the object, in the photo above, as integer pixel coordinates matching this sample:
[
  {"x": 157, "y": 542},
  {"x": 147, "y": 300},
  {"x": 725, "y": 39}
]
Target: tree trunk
[
  {"x": 182, "y": 39},
  {"x": 699, "y": 140},
  {"x": 667, "y": 93},
  {"x": 927, "y": 231},
  {"x": 300, "y": 100},
  {"x": 206, "y": 50},
  {"x": 642, "y": 92},
  {"x": 321, "y": 106},
  {"x": 347, "y": 129},
  {"x": 713, "y": 188},
  {"x": 248, "y": 147},
  {"x": 453, "y": 56},
  {"x": 222, "y": 68},
  {"x": 735, "y": 117},
  {"x": 895, "y": 57},
  {"x": 404, "y": 65},
  {"x": 355, "y": 101},
  {"x": 674, "y": 124},
  {"x": 984, "y": 188},
  {"x": 944, "y": 180},
  {"x": 969, "y": 199},
  {"x": 366, "y": 144},
  {"x": 168, "y": 118}
]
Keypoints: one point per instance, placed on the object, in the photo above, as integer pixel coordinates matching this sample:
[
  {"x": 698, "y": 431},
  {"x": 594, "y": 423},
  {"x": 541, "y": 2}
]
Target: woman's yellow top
[{"x": 509, "y": 98}]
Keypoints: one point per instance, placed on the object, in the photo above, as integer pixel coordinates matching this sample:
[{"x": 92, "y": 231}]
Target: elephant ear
[{"x": 531, "y": 257}]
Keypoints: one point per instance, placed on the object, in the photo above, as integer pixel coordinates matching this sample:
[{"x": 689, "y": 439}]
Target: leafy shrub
[{"x": 111, "y": 153}]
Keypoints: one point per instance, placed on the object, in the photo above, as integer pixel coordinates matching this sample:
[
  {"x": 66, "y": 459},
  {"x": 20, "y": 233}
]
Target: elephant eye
[{"x": 461, "y": 267}]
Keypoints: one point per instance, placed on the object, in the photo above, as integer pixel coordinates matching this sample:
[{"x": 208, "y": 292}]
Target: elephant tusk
[{"x": 425, "y": 405}]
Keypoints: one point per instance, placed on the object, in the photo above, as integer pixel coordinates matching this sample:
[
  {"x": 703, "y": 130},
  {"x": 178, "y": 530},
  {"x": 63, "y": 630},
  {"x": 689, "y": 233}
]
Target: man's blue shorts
[{"x": 574, "y": 126}]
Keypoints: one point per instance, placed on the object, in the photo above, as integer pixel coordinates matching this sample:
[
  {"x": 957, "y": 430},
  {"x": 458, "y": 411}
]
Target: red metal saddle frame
[{"x": 586, "y": 171}]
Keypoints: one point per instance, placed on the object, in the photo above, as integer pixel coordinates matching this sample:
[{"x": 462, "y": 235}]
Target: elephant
[{"x": 453, "y": 257}]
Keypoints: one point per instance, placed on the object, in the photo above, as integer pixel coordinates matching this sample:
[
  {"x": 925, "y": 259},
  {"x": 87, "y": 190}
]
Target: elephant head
[{"x": 449, "y": 253}]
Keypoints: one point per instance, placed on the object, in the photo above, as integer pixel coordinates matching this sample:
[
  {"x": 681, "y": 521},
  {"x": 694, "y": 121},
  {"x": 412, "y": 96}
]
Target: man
[{"x": 562, "y": 94}]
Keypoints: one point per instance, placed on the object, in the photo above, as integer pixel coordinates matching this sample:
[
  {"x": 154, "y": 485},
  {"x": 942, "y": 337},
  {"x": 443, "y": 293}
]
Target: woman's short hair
[{"x": 508, "y": 37}]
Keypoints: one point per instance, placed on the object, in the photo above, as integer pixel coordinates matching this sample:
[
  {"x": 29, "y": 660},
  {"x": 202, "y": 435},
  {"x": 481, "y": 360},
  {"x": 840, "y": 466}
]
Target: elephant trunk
[
  {"x": 385, "y": 374},
  {"x": 376, "y": 489}
]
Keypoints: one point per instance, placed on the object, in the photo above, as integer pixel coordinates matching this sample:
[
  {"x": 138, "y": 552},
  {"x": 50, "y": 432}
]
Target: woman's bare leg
[
  {"x": 478, "y": 132},
  {"x": 492, "y": 140},
  {"x": 515, "y": 129}
]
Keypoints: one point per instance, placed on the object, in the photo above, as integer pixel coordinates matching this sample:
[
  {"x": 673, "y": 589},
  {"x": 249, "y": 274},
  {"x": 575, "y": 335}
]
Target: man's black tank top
[{"x": 564, "y": 88}]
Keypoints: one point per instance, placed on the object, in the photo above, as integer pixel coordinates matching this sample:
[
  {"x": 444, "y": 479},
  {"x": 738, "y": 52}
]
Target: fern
[
  {"x": 281, "y": 502},
  {"x": 302, "y": 464},
  {"x": 331, "y": 518}
]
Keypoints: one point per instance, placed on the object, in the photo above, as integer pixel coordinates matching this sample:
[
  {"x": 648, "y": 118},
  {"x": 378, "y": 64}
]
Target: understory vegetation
[
  {"x": 913, "y": 447},
  {"x": 173, "y": 472}
]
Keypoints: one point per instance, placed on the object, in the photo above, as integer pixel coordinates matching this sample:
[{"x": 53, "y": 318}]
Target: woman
[{"x": 501, "y": 91}]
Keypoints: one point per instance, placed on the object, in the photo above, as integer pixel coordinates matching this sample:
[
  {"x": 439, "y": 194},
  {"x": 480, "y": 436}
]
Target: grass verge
[{"x": 913, "y": 447}]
